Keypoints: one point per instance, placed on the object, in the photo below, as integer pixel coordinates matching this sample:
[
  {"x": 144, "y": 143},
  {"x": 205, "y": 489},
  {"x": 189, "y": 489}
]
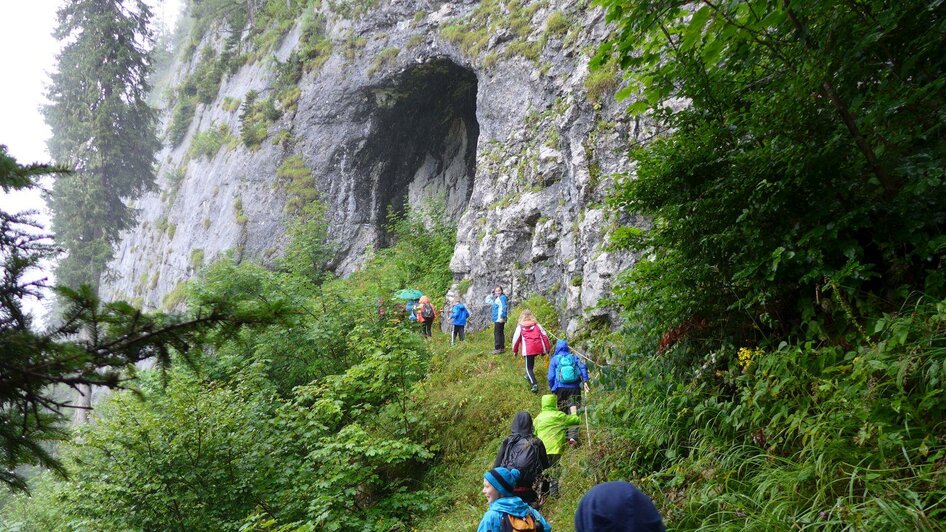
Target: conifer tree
[{"x": 101, "y": 127}]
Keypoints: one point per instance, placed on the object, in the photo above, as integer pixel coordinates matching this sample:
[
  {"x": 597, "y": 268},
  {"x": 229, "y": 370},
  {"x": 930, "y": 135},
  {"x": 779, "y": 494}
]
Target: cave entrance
[{"x": 425, "y": 131}]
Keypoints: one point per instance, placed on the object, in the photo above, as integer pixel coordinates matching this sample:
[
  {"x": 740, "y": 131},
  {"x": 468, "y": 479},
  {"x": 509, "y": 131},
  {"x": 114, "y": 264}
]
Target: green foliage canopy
[{"x": 805, "y": 157}]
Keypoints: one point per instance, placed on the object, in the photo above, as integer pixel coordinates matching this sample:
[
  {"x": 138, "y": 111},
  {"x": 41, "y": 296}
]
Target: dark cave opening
[{"x": 423, "y": 140}]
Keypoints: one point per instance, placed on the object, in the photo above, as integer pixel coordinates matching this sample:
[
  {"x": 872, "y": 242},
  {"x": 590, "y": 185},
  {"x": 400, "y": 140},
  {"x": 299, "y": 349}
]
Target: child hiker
[
  {"x": 529, "y": 341},
  {"x": 567, "y": 375},
  {"x": 426, "y": 315},
  {"x": 522, "y": 450},
  {"x": 550, "y": 427},
  {"x": 506, "y": 508},
  {"x": 458, "y": 318},
  {"x": 500, "y": 311}
]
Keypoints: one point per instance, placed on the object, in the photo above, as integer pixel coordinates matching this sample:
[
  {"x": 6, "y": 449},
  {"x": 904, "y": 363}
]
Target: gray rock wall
[{"x": 485, "y": 105}]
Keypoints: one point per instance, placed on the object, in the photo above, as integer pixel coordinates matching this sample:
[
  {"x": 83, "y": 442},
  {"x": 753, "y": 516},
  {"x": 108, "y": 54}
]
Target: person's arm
[
  {"x": 543, "y": 455},
  {"x": 583, "y": 369},
  {"x": 546, "y": 344},
  {"x": 564, "y": 420},
  {"x": 499, "y": 455},
  {"x": 516, "y": 339},
  {"x": 488, "y": 300},
  {"x": 503, "y": 306}
]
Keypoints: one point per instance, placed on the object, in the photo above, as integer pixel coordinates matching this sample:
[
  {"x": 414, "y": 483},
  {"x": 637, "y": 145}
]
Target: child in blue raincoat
[
  {"x": 458, "y": 318},
  {"x": 411, "y": 308},
  {"x": 498, "y": 485},
  {"x": 567, "y": 375}
]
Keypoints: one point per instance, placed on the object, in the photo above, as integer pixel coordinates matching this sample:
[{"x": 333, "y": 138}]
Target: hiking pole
[{"x": 584, "y": 404}]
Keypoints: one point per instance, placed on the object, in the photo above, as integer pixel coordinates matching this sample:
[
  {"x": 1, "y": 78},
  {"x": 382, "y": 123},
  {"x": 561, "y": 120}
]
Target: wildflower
[{"x": 745, "y": 356}]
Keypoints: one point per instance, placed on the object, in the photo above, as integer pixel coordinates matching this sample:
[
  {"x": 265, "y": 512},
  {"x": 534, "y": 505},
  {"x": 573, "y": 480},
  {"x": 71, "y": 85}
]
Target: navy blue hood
[{"x": 617, "y": 507}]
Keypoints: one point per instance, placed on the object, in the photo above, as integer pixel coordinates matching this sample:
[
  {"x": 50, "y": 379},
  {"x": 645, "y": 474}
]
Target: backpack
[
  {"x": 528, "y": 523},
  {"x": 428, "y": 311},
  {"x": 525, "y": 457},
  {"x": 568, "y": 370}
]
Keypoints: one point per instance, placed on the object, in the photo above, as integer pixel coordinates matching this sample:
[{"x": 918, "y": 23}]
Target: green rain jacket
[{"x": 551, "y": 423}]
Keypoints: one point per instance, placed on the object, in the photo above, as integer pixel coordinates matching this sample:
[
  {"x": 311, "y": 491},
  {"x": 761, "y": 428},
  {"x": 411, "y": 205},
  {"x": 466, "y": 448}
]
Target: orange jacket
[{"x": 420, "y": 309}]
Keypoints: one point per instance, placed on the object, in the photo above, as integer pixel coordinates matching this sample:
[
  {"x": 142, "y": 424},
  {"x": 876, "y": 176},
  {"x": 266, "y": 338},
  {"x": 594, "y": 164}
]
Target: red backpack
[{"x": 534, "y": 340}]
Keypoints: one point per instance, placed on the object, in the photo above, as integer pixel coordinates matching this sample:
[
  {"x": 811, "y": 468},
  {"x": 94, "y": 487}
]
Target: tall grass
[{"x": 798, "y": 436}]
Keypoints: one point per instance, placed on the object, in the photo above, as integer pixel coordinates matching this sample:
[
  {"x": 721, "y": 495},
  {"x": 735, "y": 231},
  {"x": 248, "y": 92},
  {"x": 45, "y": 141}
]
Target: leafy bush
[
  {"x": 777, "y": 370},
  {"x": 301, "y": 421},
  {"x": 298, "y": 182},
  {"x": 181, "y": 117},
  {"x": 207, "y": 143},
  {"x": 557, "y": 23},
  {"x": 602, "y": 82},
  {"x": 255, "y": 119}
]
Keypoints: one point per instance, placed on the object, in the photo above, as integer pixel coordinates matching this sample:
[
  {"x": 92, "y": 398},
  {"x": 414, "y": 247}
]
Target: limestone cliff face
[{"x": 485, "y": 105}]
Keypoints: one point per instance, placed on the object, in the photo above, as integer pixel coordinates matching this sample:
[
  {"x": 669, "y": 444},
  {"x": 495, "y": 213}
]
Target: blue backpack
[{"x": 568, "y": 372}]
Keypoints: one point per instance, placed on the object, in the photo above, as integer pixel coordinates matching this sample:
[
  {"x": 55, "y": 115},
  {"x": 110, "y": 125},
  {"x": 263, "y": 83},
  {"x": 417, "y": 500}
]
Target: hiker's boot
[{"x": 535, "y": 388}]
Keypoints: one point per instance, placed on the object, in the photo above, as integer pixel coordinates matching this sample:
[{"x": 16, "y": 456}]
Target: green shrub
[
  {"x": 382, "y": 59},
  {"x": 602, "y": 82},
  {"x": 197, "y": 259},
  {"x": 315, "y": 47},
  {"x": 207, "y": 143},
  {"x": 181, "y": 117},
  {"x": 415, "y": 40},
  {"x": 351, "y": 9},
  {"x": 255, "y": 119},
  {"x": 557, "y": 23},
  {"x": 241, "y": 218},
  {"x": 231, "y": 104},
  {"x": 351, "y": 45},
  {"x": 298, "y": 182}
]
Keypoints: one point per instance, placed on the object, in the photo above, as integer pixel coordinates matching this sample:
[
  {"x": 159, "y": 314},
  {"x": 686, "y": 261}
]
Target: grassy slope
[{"x": 468, "y": 401}]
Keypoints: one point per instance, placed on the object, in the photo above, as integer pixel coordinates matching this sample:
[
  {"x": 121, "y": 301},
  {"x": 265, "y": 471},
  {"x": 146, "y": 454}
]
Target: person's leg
[
  {"x": 461, "y": 332},
  {"x": 530, "y": 369},
  {"x": 499, "y": 340},
  {"x": 574, "y": 402},
  {"x": 530, "y": 372},
  {"x": 550, "y": 483}
]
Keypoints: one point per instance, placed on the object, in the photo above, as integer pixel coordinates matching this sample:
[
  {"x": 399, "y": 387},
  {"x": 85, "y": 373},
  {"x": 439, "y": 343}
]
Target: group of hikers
[{"x": 519, "y": 482}]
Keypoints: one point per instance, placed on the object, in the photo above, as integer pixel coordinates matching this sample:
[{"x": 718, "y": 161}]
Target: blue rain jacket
[
  {"x": 459, "y": 314},
  {"x": 561, "y": 349},
  {"x": 500, "y": 306},
  {"x": 493, "y": 518}
]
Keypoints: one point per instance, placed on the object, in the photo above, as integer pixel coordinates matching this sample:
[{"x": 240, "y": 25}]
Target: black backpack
[
  {"x": 524, "y": 456},
  {"x": 427, "y": 311}
]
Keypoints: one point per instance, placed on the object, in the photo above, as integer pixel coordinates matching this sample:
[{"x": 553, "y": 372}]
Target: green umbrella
[{"x": 408, "y": 293}]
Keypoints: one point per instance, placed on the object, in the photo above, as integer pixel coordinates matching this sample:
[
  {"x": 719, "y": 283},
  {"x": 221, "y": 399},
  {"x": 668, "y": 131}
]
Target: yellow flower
[{"x": 745, "y": 356}]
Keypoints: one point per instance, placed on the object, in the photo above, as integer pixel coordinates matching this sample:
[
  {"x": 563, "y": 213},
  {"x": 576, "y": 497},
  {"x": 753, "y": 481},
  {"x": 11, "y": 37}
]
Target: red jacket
[{"x": 530, "y": 340}]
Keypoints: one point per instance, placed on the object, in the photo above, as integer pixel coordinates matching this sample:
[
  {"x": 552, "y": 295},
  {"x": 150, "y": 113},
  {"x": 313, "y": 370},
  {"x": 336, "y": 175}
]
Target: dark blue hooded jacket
[
  {"x": 561, "y": 348},
  {"x": 617, "y": 507}
]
